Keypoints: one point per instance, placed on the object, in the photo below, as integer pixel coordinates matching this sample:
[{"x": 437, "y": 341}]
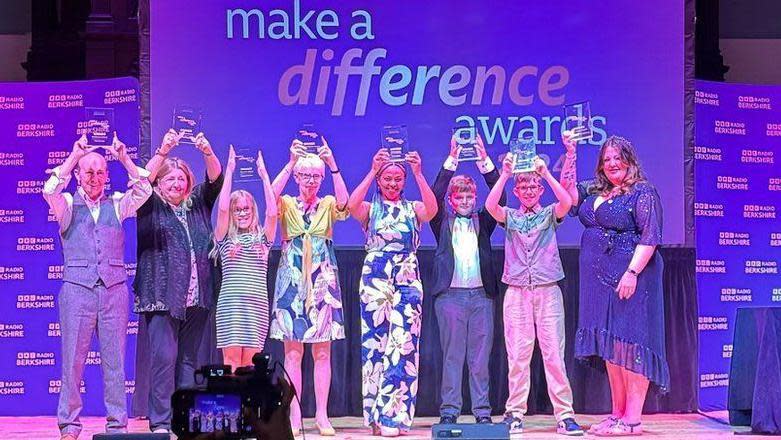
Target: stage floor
[{"x": 658, "y": 426}]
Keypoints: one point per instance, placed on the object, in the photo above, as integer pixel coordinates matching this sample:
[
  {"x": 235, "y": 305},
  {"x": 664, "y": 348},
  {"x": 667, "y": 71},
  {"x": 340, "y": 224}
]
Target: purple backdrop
[
  {"x": 738, "y": 188},
  {"x": 38, "y": 125},
  {"x": 244, "y": 68}
]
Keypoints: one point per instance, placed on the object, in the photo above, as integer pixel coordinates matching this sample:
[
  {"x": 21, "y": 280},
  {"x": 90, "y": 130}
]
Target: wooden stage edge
[{"x": 657, "y": 426}]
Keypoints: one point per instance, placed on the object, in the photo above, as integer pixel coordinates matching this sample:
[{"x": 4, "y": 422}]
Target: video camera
[{"x": 229, "y": 403}]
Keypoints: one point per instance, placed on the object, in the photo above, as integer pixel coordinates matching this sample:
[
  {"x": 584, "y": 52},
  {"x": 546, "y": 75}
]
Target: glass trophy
[
  {"x": 187, "y": 121},
  {"x": 99, "y": 126},
  {"x": 308, "y": 136},
  {"x": 524, "y": 150},
  {"x": 396, "y": 142},
  {"x": 466, "y": 137},
  {"x": 577, "y": 120},
  {"x": 246, "y": 170}
]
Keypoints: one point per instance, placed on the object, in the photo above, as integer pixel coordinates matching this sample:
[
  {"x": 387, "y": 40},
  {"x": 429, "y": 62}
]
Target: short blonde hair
[
  {"x": 311, "y": 161},
  {"x": 461, "y": 183}
]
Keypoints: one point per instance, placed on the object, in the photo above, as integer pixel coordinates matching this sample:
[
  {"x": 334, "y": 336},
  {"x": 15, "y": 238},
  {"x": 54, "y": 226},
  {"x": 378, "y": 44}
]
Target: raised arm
[
  {"x": 272, "y": 210},
  {"x": 170, "y": 140},
  {"x": 139, "y": 188},
  {"x": 497, "y": 191},
  {"x": 340, "y": 189},
  {"x": 357, "y": 204},
  {"x": 440, "y": 186},
  {"x": 427, "y": 208},
  {"x": 569, "y": 170},
  {"x": 213, "y": 166},
  {"x": 297, "y": 150},
  {"x": 59, "y": 179},
  {"x": 564, "y": 202},
  {"x": 224, "y": 199}
]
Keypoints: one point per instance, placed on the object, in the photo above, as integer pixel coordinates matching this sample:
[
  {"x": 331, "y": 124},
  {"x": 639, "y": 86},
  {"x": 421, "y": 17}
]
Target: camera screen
[{"x": 215, "y": 413}]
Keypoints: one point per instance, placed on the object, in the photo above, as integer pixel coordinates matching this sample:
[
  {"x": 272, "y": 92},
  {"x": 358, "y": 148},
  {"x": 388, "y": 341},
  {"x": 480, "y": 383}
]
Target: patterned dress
[
  {"x": 308, "y": 308},
  {"x": 625, "y": 332},
  {"x": 242, "y": 307},
  {"x": 391, "y": 298}
]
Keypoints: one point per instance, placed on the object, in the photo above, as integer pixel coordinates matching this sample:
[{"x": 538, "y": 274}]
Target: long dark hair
[{"x": 634, "y": 172}]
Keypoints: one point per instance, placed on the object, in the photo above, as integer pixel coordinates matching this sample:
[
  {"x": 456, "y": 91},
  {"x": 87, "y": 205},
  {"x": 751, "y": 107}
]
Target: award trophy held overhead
[
  {"x": 187, "y": 122},
  {"x": 99, "y": 124},
  {"x": 395, "y": 140},
  {"x": 466, "y": 137},
  {"x": 577, "y": 120},
  {"x": 524, "y": 150}
]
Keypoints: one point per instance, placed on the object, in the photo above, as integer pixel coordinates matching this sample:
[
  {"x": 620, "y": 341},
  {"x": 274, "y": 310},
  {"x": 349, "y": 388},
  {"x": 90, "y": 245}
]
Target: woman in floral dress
[
  {"x": 391, "y": 292},
  {"x": 308, "y": 300}
]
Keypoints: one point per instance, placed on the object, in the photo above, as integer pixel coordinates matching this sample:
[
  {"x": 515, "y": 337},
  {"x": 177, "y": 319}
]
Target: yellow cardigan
[{"x": 321, "y": 225}]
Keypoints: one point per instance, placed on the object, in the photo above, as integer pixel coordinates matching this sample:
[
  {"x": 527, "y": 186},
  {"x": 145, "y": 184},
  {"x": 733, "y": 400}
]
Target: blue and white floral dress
[{"x": 391, "y": 305}]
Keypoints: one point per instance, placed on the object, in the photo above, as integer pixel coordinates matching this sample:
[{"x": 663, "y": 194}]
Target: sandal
[
  {"x": 605, "y": 423},
  {"x": 621, "y": 429}
]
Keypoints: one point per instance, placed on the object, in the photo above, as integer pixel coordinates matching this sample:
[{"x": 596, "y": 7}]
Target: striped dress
[{"x": 242, "y": 307}]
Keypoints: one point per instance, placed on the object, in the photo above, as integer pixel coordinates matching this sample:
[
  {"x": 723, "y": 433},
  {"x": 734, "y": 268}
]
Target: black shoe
[
  {"x": 483, "y": 420},
  {"x": 448, "y": 420}
]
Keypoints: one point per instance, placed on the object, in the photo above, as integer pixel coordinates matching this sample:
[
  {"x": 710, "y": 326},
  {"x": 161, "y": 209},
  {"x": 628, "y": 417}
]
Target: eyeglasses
[
  {"x": 310, "y": 177},
  {"x": 242, "y": 210},
  {"x": 531, "y": 188}
]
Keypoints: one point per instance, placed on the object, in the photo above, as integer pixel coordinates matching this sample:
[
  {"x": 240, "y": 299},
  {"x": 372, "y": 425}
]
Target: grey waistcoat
[{"x": 93, "y": 251}]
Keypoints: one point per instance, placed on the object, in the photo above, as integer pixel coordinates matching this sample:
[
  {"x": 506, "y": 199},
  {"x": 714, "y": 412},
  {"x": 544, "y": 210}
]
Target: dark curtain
[{"x": 589, "y": 384}]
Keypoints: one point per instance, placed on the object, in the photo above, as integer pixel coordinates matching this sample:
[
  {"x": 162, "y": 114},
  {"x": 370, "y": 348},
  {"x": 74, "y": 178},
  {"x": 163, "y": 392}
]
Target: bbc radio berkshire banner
[
  {"x": 38, "y": 124},
  {"x": 258, "y": 70},
  {"x": 737, "y": 205}
]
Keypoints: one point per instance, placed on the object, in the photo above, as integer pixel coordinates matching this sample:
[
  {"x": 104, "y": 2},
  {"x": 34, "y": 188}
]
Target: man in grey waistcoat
[{"x": 94, "y": 293}]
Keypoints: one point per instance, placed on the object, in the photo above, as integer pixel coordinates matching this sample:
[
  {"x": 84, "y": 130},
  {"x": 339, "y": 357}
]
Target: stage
[{"x": 657, "y": 426}]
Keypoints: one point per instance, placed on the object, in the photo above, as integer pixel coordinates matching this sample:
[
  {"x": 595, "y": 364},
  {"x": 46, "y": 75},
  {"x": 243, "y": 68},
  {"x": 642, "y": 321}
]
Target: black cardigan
[
  {"x": 163, "y": 272},
  {"x": 444, "y": 262}
]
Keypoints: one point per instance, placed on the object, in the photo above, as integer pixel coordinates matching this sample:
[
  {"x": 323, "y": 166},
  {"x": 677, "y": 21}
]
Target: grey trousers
[
  {"x": 466, "y": 331},
  {"x": 174, "y": 346},
  {"x": 82, "y": 311}
]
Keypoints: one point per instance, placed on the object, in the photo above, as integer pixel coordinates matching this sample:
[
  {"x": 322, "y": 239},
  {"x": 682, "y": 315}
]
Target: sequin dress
[{"x": 625, "y": 332}]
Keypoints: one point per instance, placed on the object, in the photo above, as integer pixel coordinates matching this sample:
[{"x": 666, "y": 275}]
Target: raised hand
[
  {"x": 568, "y": 138},
  {"x": 327, "y": 155},
  {"x": 455, "y": 148},
  {"x": 413, "y": 159},
  {"x": 170, "y": 140},
  {"x": 480, "y": 148},
  {"x": 202, "y": 144},
  {"x": 118, "y": 148},
  {"x": 379, "y": 159},
  {"x": 540, "y": 167},
  {"x": 297, "y": 151},
  {"x": 261, "y": 165},
  {"x": 508, "y": 163},
  {"x": 231, "y": 165},
  {"x": 80, "y": 147}
]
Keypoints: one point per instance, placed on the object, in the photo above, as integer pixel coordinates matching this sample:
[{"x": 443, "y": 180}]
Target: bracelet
[
  {"x": 632, "y": 272},
  {"x": 336, "y": 171}
]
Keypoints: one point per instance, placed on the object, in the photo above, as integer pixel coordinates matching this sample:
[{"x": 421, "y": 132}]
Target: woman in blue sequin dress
[{"x": 621, "y": 317}]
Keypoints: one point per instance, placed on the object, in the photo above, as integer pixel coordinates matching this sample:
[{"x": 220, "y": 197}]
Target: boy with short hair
[
  {"x": 464, "y": 285},
  {"x": 532, "y": 268}
]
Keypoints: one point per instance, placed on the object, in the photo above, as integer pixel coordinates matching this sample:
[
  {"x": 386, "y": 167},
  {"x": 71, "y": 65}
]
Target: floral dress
[
  {"x": 307, "y": 299},
  {"x": 391, "y": 297}
]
